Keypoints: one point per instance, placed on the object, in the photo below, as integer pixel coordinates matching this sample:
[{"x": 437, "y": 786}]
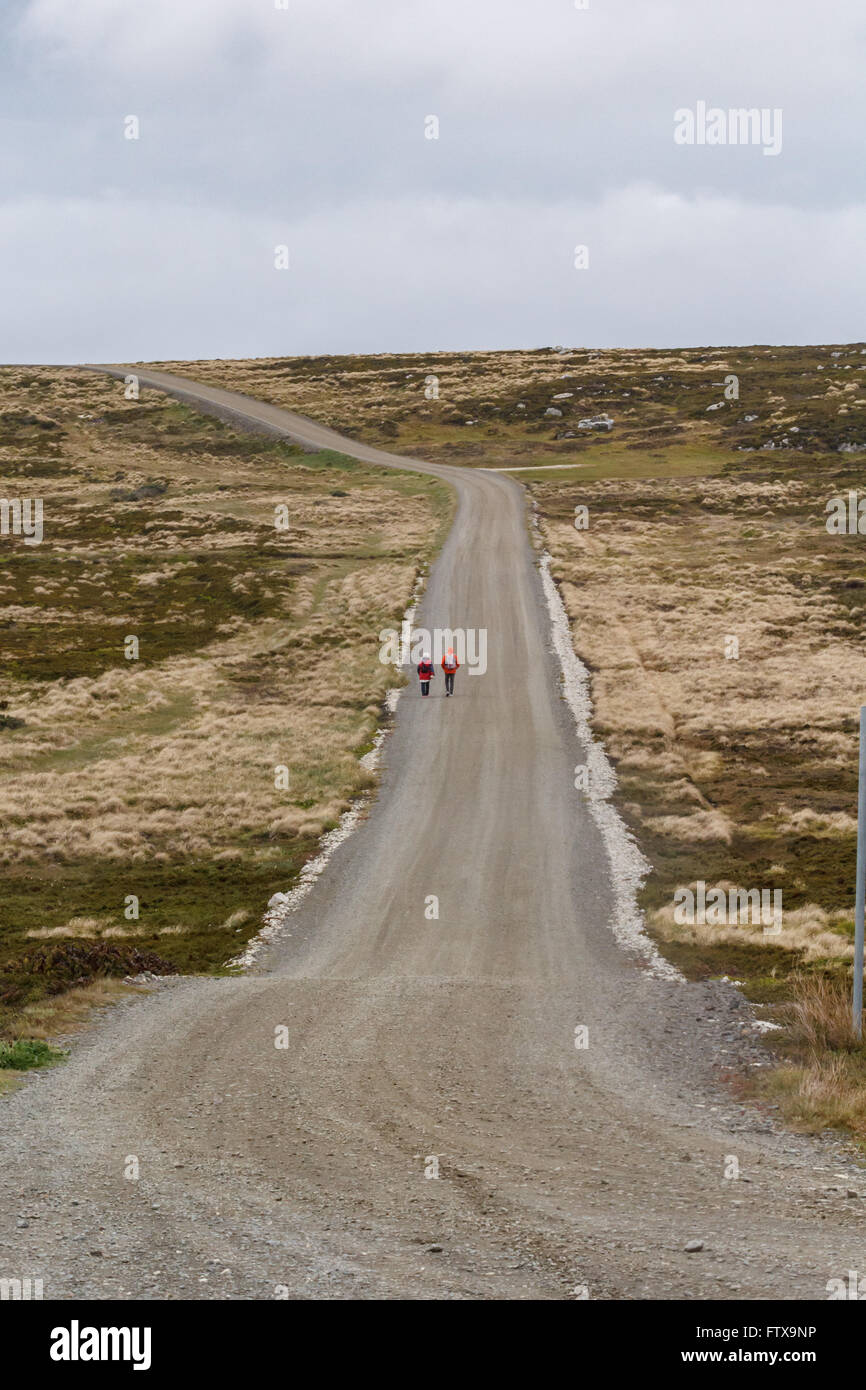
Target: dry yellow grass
[
  {"x": 704, "y": 527},
  {"x": 823, "y": 1084},
  {"x": 492, "y": 407},
  {"x": 61, "y": 1015},
  {"x": 807, "y": 932},
  {"x": 208, "y": 776},
  {"x": 198, "y": 776},
  {"x": 736, "y": 763},
  {"x": 700, "y": 531}
]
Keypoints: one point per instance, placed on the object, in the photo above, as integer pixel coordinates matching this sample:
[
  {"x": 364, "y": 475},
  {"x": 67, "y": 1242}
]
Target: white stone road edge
[
  {"x": 282, "y": 905},
  {"x": 628, "y": 867}
]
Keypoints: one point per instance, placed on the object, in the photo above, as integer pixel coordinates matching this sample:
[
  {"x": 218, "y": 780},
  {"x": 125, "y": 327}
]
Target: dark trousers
[
  {"x": 449, "y": 682},
  {"x": 425, "y": 687}
]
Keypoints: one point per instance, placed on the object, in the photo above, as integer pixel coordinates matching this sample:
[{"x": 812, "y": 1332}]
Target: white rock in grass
[{"x": 600, "y": 422}]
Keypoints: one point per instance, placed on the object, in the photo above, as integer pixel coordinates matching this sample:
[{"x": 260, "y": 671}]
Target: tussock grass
[
  {"x": 703, "y": 523},
  {"x": 491, "y": 405},
  {"x": 819, "y": 1014},
  {"x": 741, "y": 773},
  {"x": 821, "y": 1084},
  {"x": 258, "y": 648},
  {"x": 65, "y": 1013}
]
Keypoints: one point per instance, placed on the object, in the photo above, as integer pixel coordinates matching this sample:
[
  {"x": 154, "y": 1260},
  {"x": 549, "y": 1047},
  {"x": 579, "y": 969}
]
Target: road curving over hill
[{"x": 419, "y": 1046}]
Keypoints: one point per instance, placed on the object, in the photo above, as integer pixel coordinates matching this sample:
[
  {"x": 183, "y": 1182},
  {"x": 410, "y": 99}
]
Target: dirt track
[{"x": 304, "y": 1168}]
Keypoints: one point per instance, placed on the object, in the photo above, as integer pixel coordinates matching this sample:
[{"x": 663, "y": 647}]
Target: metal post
[{"x": 857, "y": 1007}]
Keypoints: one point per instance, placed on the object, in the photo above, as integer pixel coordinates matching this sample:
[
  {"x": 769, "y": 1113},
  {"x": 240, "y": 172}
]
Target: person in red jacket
[
  {"x": 450, "y": 665},
  {"x": 426, "y": 672}
]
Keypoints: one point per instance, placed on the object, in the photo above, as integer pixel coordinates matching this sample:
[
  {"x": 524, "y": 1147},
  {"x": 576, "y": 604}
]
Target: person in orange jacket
[
  {"x": 450, "y": 666},
  {"x": 426, "y": 672}
]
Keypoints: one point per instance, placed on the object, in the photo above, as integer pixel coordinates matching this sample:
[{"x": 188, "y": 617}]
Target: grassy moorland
[
  {"x": 706, "y": 523},
  {"x": 706, "y": 532},
  {"x": 492, "y": 407},
  {"x": 153, "y": 776}
]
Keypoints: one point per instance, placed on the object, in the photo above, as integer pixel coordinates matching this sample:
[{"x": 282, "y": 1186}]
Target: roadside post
[{"x": 857, "y": 1005}]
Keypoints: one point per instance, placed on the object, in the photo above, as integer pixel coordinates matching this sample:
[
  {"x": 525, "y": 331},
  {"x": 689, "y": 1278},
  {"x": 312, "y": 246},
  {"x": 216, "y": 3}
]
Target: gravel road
[{"x": 419, "y": 1046}]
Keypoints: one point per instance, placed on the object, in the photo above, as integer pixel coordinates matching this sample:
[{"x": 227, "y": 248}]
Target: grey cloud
[{"x": 259, "y": 125}]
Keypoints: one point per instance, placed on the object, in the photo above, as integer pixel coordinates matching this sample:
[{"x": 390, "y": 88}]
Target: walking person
[
  {"x": 426, "y": 672},
  {"x": 450, "y": 665}
]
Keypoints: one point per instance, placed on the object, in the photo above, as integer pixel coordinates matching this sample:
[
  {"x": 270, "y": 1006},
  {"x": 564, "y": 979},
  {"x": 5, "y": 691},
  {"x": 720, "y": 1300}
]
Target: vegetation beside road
[
  {"x": 494, "y": 408},
  {"x": 155, "y": 778},
  {"x": 706, "y": 503},
  {"x": 707, "y": 512},
  {"x": 723, "y": 627}
]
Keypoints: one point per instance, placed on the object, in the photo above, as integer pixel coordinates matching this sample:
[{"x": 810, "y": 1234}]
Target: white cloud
[
  {"x": 261, "y": 125},
  {"x": 119, "y": 280},
  {"x": 488, "y": 42}
]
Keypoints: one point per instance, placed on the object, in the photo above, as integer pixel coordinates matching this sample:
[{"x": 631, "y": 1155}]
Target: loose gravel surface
[{"x": 393, "y": 1105}]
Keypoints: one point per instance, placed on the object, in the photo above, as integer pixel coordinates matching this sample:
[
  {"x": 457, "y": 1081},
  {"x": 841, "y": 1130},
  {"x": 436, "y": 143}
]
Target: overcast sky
[{"x": 306, "y": 127}]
